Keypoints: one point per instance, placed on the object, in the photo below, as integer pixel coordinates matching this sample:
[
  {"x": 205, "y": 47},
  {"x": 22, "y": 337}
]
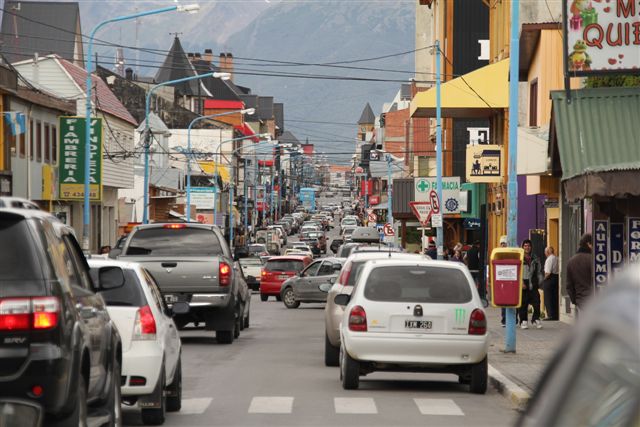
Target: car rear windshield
[
  {"x": 257, "y": 248},
  {"x": 131, "y": 294},
  {"x": 424, "y": 284},
  {"x": 284, "y": 265},
  {"x": 175, "y": 242},
  {"x": 348, "y": 221},
  {"x": 18, "y": 260},
  {"x": 250, "y": 261}
]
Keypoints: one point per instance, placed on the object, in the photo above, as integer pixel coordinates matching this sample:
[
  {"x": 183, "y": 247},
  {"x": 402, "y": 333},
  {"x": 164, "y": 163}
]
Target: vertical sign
[
  {"x": 617, "y": 247},
  {"x": 72, "y": 149},
  {"x": 600, "y": 252},
  {"x": 633, "y": 240}
]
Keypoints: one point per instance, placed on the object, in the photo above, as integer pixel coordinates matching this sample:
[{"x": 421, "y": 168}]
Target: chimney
[
  {"x": 190, "y": 56},
  {"x": 198, "y": 56},
  {"x": 208, "y": 55},
  {"x": 226, "y": 63},
  {"x": 128, "y": 73}
]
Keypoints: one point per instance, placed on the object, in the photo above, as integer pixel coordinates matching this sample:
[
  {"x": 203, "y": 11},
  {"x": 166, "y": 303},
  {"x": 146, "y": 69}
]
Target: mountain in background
[{"x": 302, "y": 32}]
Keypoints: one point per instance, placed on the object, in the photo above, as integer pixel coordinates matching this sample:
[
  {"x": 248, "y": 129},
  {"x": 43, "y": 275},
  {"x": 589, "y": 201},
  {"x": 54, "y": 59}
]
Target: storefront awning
[
  {"x": 596, "y": 135},
  {"x": 490, "y": 83},
  {"x": 246, "y": 130},
  {"x": 209, "y": 167}
]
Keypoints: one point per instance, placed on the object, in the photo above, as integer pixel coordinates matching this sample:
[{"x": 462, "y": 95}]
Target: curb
[{"x": 516, "y": 395}]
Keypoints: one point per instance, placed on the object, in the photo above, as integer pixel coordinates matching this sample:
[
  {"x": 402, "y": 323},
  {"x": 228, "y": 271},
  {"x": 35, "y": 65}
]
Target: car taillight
[
  {"x": 343, "y": 279},
  {"x": 358, "y": 319},
  {"x": 477, "y": 322},
  {"x": 174, "y": 226},
  {"x": 19, "y": 314},
  {"x": 224, "y": 271},
  {"x": 145, "y": 325}
]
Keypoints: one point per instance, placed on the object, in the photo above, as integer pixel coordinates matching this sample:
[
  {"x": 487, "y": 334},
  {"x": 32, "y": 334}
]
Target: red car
[{"x": 278, "y": 269}]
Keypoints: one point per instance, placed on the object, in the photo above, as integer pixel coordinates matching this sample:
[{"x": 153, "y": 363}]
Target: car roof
[
  {"x": 289, "y": 257},
  {"x": 381, "y": 255},
  {"x": 29, "y": 213},
  {"x": 9, "y": 201},
  {"x": 418, "y": 262},
  {"x": 108, "y": 262},
  {"x": 186, "y": 224}
]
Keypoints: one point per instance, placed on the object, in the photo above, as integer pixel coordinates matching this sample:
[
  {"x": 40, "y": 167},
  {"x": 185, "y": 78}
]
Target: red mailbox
[{"x": 506, "y": 277}]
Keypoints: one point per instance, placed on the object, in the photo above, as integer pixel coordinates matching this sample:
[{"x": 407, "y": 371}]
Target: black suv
[{"x": 60, "y": 353}]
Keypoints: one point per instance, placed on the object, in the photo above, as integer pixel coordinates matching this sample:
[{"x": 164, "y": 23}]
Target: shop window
[
  {"x": 533, "y": 103},
  {"x": 22, "y": 145},
  {"x": 47, "y": 144},
  {"x": 9, "y": 138}
]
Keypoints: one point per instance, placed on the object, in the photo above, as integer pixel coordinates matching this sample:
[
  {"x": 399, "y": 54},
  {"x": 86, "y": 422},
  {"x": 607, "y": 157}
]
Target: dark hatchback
[{"x": 60, "y": 352}]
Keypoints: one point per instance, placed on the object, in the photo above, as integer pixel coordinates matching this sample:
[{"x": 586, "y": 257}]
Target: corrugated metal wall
[{"x": 403, "y": 193}]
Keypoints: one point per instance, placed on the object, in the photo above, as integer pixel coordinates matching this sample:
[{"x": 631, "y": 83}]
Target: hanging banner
[
  {"x": 617, "y": 247},
  {"x": 601, "y": 37},
  {"x": 71, "y": 155},
  {"x": 484, "y": 163},
  {"x": 601, "y": 264},
  {"x": 633, "y": 240}
]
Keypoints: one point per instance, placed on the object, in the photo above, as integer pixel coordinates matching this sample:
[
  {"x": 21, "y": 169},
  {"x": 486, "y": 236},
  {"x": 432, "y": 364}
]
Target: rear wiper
[{"x": 120, "y": 303}]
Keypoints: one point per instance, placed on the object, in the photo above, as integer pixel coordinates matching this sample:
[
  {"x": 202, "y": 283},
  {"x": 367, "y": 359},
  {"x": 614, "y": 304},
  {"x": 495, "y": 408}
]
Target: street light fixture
[{"x": 192, "y": 8}]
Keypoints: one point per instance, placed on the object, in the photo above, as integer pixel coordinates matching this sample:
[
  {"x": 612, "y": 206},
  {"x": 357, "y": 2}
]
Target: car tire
[
  {"x": 241, "y": 317},
  {"x": 225, "y": 337},
  {"x": 264, "y": 297},
  {"x": 479, "y": 374},
  {"x": 247, "y": 318},
  {"x": 156, "y": 416},
  {"x": 237, "y": 325},
  {"x": 278, "y": 298},
  {"x": 331, "y": 353},
  {"x": 113, "y": 403},
  {"x": 174, "y": 391},
  {"x": 349, "y": 371},
  {"x": 78, "y": 416},
  {"x": 289, "y": 298}
]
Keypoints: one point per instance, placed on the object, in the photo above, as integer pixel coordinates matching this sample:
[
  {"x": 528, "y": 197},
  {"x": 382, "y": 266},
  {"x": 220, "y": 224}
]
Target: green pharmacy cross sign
[{"x": 72, "y": 152}]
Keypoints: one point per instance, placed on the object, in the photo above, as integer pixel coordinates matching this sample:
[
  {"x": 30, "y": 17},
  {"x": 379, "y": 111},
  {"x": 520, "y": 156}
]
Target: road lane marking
[
  {"x": 271, "y": 405},
  {"x": 438, "y": 407},
  {"x": 194, "y": 406},
  {"x": 355, "y": 405}
]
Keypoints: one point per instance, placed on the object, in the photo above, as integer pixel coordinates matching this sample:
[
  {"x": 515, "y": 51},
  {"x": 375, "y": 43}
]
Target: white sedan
[
  {"x": 151, "y": 347},
  {"x": 422, "y": 316}
]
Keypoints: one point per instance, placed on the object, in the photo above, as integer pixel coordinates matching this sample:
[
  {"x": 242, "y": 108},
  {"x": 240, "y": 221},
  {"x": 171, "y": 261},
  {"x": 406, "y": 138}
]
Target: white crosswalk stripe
[
  {"x": 355, "y": 405},
  {"x": 438, "y": 407},
  {"x": 194, "y": 406},
  {"x": 271, "y": 405}
]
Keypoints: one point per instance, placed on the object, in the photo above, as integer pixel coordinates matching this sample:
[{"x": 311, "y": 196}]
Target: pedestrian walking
[
  {"x": 579, "y": 274},
  {"x": 457, "y": 256},
  {"x": 550, "y": 284},
  {"x": 431, "y": 250},
  {"x": 531, "y": 278}
]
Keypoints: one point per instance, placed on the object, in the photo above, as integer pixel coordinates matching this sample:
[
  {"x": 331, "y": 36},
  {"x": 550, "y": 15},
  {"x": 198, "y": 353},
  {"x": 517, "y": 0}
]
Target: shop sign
[
  {"x": 484, "y": 163},
  {"x": 450, "y": 203},
  {"x": 601, "y": 37},
  {"x": 633, "y": 240},
  {"x": 366, "y": 187},
  {"x": 203, "y": 197},
  {"x": 617, "y": 247},
  {"x": 72, "y": 152},
  {"x": 601, "y": 252},
  {"x": 471, "y": 223},
  {"x": 374, "y": 200}
]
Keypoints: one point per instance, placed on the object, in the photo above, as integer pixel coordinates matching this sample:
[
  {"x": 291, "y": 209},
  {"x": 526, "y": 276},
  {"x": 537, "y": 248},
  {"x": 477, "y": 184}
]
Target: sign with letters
[
  {"x": 633, "y": 239},
  {"x": 71, "y": 155},
  {"x": 601, "y": 260},
  {"x": 617, "y": 247},
  {"x": 450, "y": 203}
]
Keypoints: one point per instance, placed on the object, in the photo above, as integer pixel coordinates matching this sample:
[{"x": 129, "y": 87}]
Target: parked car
[
  {"x": 192, "y": 263},
  {"x": 306, "y": 286},
  {"x": 594, "y": 378},
  {"x": 344, "y": 285},
  {"x": 61, "y": 351},
  {"x": 252, "y": 267},
  {"x": 151, "y": 348},
  {"x": 428, "y": 318},
  {"x": 278, "y": 269}
]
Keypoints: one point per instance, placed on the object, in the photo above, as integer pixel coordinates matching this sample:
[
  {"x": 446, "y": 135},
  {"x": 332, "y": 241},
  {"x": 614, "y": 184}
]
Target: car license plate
[
  {"x": 170, "y": 299},
  {"x": 283, "y": 277},
  {"x": 417, "y": 324}
]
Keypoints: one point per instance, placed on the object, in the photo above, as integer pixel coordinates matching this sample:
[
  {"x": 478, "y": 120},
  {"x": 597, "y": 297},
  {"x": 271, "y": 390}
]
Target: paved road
[{"x": 274, "y": 375}]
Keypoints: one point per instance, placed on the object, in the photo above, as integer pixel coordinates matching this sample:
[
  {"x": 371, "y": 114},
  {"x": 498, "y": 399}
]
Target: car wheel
[
  {"x": 349, "y": 371},
  {"x": 248, "y": 316},
  {"x": 225, "y": 337},
  {"x": 237, "y": 325},
  {"x": 156, "y": 416},
  {"x": 115, "y": 397},
  {"x": 478, "y": 384},
  {"x": 289, "y": 299},
  {"x": 331, "y": 353},
  {"x": 278, "y": 298},
  {"x": 241, "y": 317},
  {"x": 264, "y": 297},
  {"x": 174, "y": 391}
]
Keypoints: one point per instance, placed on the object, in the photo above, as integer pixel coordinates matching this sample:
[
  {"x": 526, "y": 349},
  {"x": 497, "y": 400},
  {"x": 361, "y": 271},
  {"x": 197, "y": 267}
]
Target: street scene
[{"x": 320, "y": 213}]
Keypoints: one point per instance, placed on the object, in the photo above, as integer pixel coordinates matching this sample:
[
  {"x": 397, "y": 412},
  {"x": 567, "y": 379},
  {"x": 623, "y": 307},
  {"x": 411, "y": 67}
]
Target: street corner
[{"x": 507, "y": 388}]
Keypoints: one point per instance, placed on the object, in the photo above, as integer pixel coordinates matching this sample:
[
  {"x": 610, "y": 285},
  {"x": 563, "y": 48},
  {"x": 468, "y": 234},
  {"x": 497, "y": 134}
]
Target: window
[
  {"x": 533, "y": 103},
  {"x": 312, "y": 270},
  {"x": 284, "y": 265},
  {"x": 22, "y": 146},
  {"x": 327, "y": 269},
  {"x": 178, "y": 241},
  {"x": 38, "y": 141},
  {"x": 10, "y": 138},
  {"x": 77, "y": 262},
  {"x": 19, "y": 263},
  {"x": 54, "y": 145},
  {"x": 31, "y": 140},
  {"x": 131, "y": 294},
  {"x": 47, "y": 144}
]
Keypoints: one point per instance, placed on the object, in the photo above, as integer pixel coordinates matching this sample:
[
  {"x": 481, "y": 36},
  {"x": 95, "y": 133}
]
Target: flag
[{"x": 17, "y": 122}]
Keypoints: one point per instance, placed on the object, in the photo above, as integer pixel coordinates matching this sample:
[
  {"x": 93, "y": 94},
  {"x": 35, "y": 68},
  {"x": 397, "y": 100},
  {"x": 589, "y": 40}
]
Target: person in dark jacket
[
  {"x": 580, "y": 274},
  {"x": 531, "y": 278}
]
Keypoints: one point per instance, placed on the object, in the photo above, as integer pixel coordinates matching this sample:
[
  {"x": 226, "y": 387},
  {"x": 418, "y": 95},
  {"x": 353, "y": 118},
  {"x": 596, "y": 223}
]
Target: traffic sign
[
  {"x": 435, "y": 203},
  {"x": 436, "y": 220},
  {"x": 372, "y": 217},
  {"x": 388, "y": 230},
  {"x": 422, "y": 210}
]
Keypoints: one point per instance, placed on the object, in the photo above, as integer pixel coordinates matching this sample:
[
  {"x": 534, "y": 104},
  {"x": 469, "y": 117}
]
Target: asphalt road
[{"x": 274, "y": 375}]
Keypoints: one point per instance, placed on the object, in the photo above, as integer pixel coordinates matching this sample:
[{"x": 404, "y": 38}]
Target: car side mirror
[
  {"x": 110, "y": 278},
  {"x": 342, "y": 299},
  {"x": 114, "y": 253},
  {"x": 180, "y": 307},
  {"x": 325, "y": 287},
  {"x": 332, "y": 280}
]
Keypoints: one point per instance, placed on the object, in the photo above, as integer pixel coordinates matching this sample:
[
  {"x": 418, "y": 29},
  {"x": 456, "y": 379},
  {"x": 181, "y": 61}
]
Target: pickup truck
[{"x": 192, "y": 263}]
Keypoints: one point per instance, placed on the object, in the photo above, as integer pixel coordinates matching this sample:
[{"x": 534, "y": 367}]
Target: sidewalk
[{"x": 515, "y": 375}]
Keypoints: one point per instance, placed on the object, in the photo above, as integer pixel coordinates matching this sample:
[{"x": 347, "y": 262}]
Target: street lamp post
[
  {"x": 193, "y": 8},
  {"x": 147, "y": 136},
  {"x": 197, "y": 119}
]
